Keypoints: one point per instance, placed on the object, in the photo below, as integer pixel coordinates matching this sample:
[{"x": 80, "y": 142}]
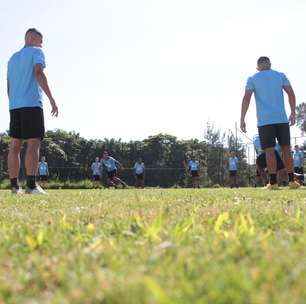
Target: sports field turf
[{"x": 154, "y": 246}]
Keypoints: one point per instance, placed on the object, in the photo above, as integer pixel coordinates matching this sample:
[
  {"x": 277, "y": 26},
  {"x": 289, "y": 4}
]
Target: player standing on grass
[
  {"x": 193, "y": 168},
  {"x": 298, "y": 163},
  {"x": 111, "y": 166},
  {"x": 233, "y": 169},
  {"x": 43, "y": 169},
  {"x": 96, "y": 168},
  {"x": 272, "y": 121},
  {"x": 139, "y": 170},
  {"x": 25, "y": 83}
]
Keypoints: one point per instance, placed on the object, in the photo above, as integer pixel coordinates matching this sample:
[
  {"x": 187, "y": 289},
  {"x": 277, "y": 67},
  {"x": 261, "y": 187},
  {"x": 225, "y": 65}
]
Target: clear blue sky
[{"x": 132, "y": 68}]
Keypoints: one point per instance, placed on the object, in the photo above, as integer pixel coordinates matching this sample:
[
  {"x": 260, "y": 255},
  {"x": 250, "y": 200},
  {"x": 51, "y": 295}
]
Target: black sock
[
  {"x": 14, "y": 183},
  {"x": 31, "y": 181},
  {"x": 272, "y": 179},
  {"x": 290, "y": 177}
]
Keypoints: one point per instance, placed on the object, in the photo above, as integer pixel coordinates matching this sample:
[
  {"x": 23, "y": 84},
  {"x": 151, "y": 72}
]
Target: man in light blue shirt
[
  {"x": 139, "y": 171},
  {"x": 96, "y": 168},
  {"x": 298, "y": 163},
  {"x": 43, "y": 169},
  {"x": 25, "y": 83},
  {"x": 233, "y": 169},
  {"x": 193, "y": 168},
  {"x": 268, "y": 86}
]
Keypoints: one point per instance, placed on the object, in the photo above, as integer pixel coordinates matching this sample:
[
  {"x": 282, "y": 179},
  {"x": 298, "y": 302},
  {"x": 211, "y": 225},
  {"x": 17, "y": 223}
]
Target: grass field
[{"x": 153, "y": 246}]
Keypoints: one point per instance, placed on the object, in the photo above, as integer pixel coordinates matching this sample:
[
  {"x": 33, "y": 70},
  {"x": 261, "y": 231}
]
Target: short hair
[
  {"x": 263, "y": 60},
  {"x": 34, "y": 30}
]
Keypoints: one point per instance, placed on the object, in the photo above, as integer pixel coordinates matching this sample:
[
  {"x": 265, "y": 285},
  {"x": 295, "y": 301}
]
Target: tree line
[{"x": 70, "y": 156}]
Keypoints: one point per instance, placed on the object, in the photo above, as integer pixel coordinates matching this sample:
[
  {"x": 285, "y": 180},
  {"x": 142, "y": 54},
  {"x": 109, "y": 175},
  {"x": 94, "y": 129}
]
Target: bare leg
[
  {"x": 287, "y": 158},
  {"x": 271, "y": 160},
  {"x": 32, "y": 156},
  {"x": 13, "y": 158}
]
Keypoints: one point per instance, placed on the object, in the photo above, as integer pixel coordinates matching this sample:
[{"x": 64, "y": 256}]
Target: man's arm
[
  {"x": 244, "y": 108},
  {"x": 8, "y": 88},
  {"x": 43, "y": 83},
  {"x": 291, "y": 97}
]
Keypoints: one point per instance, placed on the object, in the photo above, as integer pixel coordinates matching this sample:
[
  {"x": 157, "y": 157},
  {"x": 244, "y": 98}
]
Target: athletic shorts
[
  {"x": 194, "y": 173},
  {"x": 233, "y": 172},
  {"x": 269, "y": 133},
  {"x": 299, "y": 170},
  {"x": 96, "y": 178},
  {"x": 43, "y": 178},
  {"x": 112, "y": 174},
  {"x": 27, "y": 123},
  {"x": 262, "y": 163},
  {"x": 139, "y": 176}
]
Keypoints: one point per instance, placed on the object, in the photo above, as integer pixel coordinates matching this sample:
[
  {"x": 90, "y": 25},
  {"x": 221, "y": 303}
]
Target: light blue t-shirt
[
  {"x": 43, "y": 168},
  {"x": 109, "y": 163},
  {"x": 194, "y": 165},
  {"x": 96, "y": 168},
  {"x": 257, "y": 145},
  {"x": 268, "y": 86},
  {"x": 24, "y": 90},
  {"x": 139, "y": 168},
  {"x": 233, "y": 163},
  {"x": 298, "y": 159}
]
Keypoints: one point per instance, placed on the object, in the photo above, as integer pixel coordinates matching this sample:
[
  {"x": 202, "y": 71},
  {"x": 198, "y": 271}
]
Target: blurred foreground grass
[{"x": 153, "y": 246}]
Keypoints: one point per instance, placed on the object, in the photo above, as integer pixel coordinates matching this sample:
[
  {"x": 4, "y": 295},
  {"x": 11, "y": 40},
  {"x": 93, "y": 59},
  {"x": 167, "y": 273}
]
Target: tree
[{"x": 301, "y": 116}]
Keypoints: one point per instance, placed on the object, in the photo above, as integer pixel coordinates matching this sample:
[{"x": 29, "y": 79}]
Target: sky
[{"x": 133, "y": 68}]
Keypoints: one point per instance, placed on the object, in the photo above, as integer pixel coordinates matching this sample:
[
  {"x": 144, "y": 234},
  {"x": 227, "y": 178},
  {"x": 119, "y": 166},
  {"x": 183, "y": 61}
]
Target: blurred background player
[
  {"x": 96, "y": 168},
  {"x": 233, "y": 169},
  {"x": 194, "y": 168},
  {"x": 139, "y": 171},
  {"x": 111, "y": 167},
  {"x": 298, "y": 163},
  {"x": 43, "y": 169}
]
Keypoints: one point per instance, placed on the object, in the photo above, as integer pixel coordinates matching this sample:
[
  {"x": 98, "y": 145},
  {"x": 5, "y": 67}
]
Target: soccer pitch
[{"x": 153, "y": 246}]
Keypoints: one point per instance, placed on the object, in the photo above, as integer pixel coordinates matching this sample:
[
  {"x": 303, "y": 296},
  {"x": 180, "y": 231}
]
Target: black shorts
[
  {"x": 43, "y": 178},
  {"x": 233, "y": 172},
  {"x": 96, "y": 178},
  {"x": 194, "y": 173},
  {"x": 112, "y": 174},
  {"x": 299, "y": 170},
  {"x": 269, "y": 133},
  {"x": 27, "y": 123},
  {"x": 139, "y": 176},
  {"x": 262, "y": 163}
]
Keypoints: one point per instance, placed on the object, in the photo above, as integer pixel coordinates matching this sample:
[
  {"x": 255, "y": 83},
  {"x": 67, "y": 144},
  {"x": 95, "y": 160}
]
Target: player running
[
  {"x": 111, "y": 167},
  {"x": 298, "y": 163},
  {"x": 194, "y": 168},
  {"x": 139, "y": 171},
  {"x": 272, "y": 121},
  {"x": 233, "y": 169}
]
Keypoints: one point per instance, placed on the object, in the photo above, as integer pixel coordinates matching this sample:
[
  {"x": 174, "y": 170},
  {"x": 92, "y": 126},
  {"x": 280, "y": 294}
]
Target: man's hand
[
  {"x": 292, "y": 119},
  {"x": 54, "y": 111},
  {"x": 243, "y": 126}
]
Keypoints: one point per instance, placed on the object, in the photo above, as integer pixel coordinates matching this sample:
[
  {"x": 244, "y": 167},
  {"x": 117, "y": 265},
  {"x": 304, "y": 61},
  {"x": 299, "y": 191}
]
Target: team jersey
[
  {"x": 43, "y": 168},
  {"x": 96, "y": 168},
  {"x": 109, "y": 163},
  {"x": 298, "y": 159},
  {"x": 139, "y": 168},
  {"x": 233, "y": 163},
  {"x": 194, "y": 165},
  {"x": 24, "y": 90},
  {"x": 267, "y": 86}
]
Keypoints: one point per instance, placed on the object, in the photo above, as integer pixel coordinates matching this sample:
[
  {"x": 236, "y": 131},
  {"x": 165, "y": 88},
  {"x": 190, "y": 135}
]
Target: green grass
[{"x": 153, "y": 246}]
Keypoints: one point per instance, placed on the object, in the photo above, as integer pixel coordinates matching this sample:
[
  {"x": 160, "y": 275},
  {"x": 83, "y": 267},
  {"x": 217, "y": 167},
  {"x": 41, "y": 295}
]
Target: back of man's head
[
  {"x": 33, "y": 30},
  {"x": 263, "y": 63}
]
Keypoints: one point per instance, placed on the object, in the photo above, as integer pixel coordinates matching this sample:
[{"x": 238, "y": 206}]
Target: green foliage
[{"x": 153, "y": 246}]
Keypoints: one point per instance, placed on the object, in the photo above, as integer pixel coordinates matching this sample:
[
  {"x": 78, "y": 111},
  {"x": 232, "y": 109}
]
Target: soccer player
[
  {"x": 139, "y": 170},
  {"x": 111, "y": 166},
  {"x": 43, "y": 169},
  {"x": 96, "y": 168},
  {"x": 298, "y": 163},
  {"x": 272, "y": 121},
  {"x": 233, "y": 169},
  {"x": 26, "y": 81},
  {"x": 193, "y": 168}
]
